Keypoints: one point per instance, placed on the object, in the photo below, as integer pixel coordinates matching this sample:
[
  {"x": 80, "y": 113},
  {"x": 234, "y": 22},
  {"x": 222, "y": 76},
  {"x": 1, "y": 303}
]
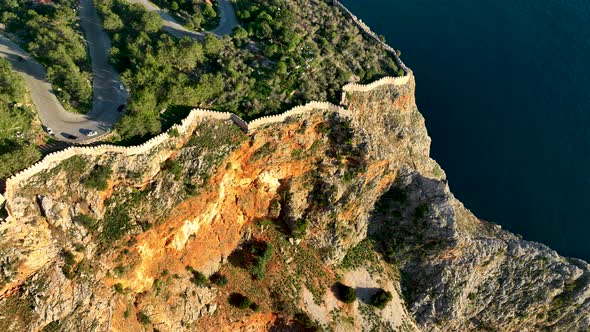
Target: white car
[
  {"x": 91, "y": 133},
  {"x": 49, "y": 131}
]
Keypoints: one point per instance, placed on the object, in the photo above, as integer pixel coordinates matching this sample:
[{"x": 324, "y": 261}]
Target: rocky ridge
[{"x": 103, "y": 241}]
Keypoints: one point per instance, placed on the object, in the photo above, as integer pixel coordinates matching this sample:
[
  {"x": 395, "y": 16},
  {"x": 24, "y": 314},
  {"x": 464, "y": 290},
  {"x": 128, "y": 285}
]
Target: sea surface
[{"x": 504, "y": 86}]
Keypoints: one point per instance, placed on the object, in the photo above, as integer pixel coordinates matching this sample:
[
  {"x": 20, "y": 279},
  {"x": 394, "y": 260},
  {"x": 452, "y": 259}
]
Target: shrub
[
  {"x": 173, "y": 132},
  {"x": 198, "y": 278},
  {"x": 255, "y": 307},
  {"x": 258, "y": 269},
  {"x": 119, "y": 270},
  {"x": 381, "y": 298},
  {"x": 219, "y": 279},
  {"x": 15, "y": 154},
  {"x": 143, "y": 318},
  {"x": 245, "y": 303},
  {"x": 85, "y": 220},
  {"x": 306, "y": 322},
  {"x": 70, "y": 261},
  {"x": 345, "y": 293},
  {"x": 240, "y": 301},
  {"x": 97, "y": 179},
  {"x": 118, "y": 220},
  {"x": 300, "y": 228},
  {"x": 118, "y": 288},
  {"x": 173, "y": 167},
  {"x": 157, "y": 285},
  {"x": 69, "y": 258}
]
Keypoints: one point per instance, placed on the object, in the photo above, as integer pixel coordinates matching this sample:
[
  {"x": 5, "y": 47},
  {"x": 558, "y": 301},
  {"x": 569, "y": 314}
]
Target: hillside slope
[{"x": 111, "y": 239}]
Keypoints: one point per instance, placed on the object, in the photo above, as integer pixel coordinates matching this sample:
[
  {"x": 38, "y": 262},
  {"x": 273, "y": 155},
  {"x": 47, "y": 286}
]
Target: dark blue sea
[{"x": 504, "y": 86}]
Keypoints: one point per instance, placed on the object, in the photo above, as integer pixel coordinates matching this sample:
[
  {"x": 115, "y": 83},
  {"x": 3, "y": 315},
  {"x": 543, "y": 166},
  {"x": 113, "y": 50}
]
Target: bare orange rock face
[{"x": 204, "y": 228}]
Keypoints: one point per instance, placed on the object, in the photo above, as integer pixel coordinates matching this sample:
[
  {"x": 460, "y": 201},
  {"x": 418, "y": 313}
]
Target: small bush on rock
[
  {"x": 345, "y": 293},
  {"x": 258, "y": 269},
  {"x": 240, "y": 301},
  {"x": 198, "y": 278},
  {"x": 97, "y": 179},
  {"x": 219, "y": 279},
  {"x": 381, "y": 298}
]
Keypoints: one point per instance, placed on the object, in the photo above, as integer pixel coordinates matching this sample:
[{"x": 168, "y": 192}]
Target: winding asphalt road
[
  {"x": 108, "y": 91},
  {"x": 227, "y": 22}
]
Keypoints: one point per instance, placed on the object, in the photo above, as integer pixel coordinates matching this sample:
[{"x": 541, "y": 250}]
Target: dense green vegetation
[
  {"x": 173, "y": 167},
  {"x": 51, "y": 34},
  {"x": 194, "y": 14},
  {"x": 275, "y": 61},
  {"x": 300, "y": 228},
  {"x": 313, "y": 49},
  {"x": 143, "y": 318},
  {"x": 17, "y": 132}
]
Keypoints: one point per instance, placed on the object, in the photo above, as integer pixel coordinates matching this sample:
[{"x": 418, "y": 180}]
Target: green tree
[
  {"x": 381, "y": 298},
  {"x": 240, "y": 33},
  {"x": 263, "y": 31},
  {"x": 212, "y": 46},
  {"x": 147, "y": 21},
  {"x": 16, "y": 130},
  {"x": 345, "y": 293},
  {"x": 258, "y": 269},
  {"x": 12, "y": 88},
  {"x": 208, "y": 12},
  {"x": 112, "y": 22}
]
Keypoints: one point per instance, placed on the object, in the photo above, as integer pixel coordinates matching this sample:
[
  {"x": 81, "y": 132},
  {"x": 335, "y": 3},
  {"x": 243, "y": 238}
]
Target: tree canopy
[
  {"x": 51, "y": 34},
  {"x": 17, "y": 132}
]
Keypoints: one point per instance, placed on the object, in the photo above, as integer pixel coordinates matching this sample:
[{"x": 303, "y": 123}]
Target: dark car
[
  {"x": 20, "y": 58},
  {"x": 70, "y": 136},
  {"x": 121, "y": 108}
]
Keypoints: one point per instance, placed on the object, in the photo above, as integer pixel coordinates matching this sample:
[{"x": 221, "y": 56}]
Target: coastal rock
[{"x": 342, "y": 194}]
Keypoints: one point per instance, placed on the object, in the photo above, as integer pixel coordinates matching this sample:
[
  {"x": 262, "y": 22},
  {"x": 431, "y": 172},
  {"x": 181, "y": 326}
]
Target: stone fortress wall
[
  {"x": 186, "y": 126},
  {"x": 401, "y": 80},
  {"x": 365, "y": 29}
]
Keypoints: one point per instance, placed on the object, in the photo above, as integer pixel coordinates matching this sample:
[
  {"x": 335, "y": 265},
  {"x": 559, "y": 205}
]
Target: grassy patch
[
  {"x": 362, "y": 255},
  {"x": 85, "y": 220},
  {"x": 119, "y": 288},
  {"x": 117, "y": 221},
  {"x": 173, "y": 167},
  {"x": 97, "y": 179}
]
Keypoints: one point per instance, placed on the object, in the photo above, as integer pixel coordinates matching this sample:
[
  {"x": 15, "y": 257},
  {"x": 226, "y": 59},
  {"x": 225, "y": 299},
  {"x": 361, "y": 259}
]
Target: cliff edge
[{"x": 176, "y": 234}]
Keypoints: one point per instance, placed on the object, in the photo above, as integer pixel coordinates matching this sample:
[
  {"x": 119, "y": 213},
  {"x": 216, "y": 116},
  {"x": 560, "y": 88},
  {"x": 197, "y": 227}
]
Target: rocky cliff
[{"x": 118, "y": 241}]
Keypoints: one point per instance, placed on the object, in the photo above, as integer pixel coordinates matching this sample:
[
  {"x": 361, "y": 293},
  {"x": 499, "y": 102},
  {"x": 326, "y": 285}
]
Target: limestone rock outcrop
[{"x": 118, "y": 240}]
